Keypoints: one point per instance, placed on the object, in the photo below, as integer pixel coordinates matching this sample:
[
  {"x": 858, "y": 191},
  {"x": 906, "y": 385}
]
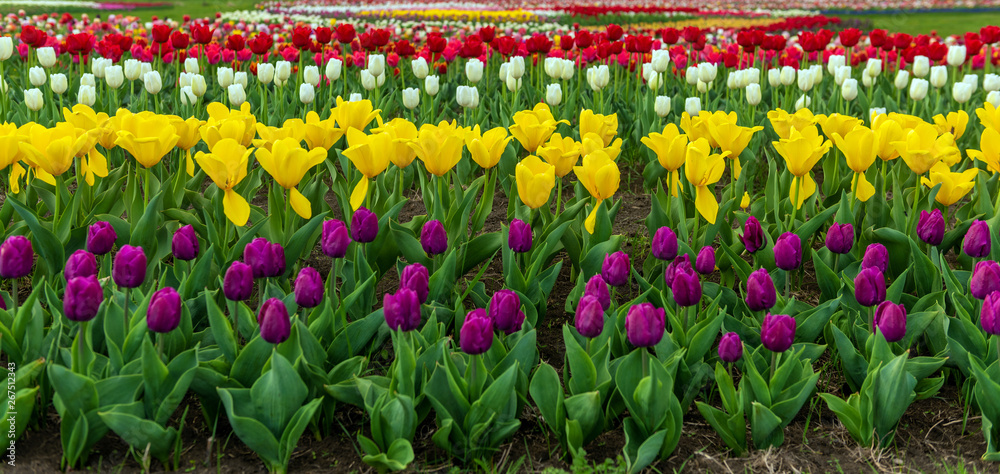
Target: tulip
[
  {"x": 237, "y": 285},
  {"x": 989, "y": 316},
  {"x": 433, "y": 238},
  {"x": 553, "y": 94},
  {"x": 660, "y": 60},
  {"x": 364, "y": 226},
  {"x": 115, "y": 76},
  {"x": 6, "y": 47},
  {"x": 83, "y": 298},
  {"x": 16, "y": 257},
  {"x": 691, "y": 75},
  {"x": 890, "y": 319},
  {"x": 902, "y": 79},
  {"x": 777, "y": 332},
  {"x": 505, "y": 311},
  {"x": 600, "y": 176},
  {"x": 311, "y": 75},
  {"x": 476, "y": 335},
  {"x": 416, "y": 278},
  {"x": 275, "y": 326},
  {"x": 198, "y": 85},
  {"x": 801, "y": 151},
  {"x": 615, "y": 269},
  {"x": 753, "y": 94},
  {"x": 129, "y": 269},
  {"x": 921, "y": 66},
  {"x": 335, "y": 238},
  {"x": 842, "y": 74},
  {"x": 307, "y": 93},
  {"x": 761, "y": 295},
  {"x": 589, "y": 321},
  {"x": 532, "y": 128},
  {"x": 753, "y": 235},
  {"x": 774, "y": 77},
  {"x": 840, "y": 238},
  {"x": 686, "y": 287},
  {"x": 730, "y": 347},
  {"x": 308, "y": 288},
  {"x": 918, "y": 89},
  {"x": 670, "y": 148},
  {"x": 869, "y": 287},
  {"x": 402, "y": 310},
  {"x": 977, "y": 241},
  {"x": 334, "y": 67},
  {"x": 519, "y": 238},
  {"x": 439, "y": 147},
  {"x": 985, "y": 279},
  {"x": 804, "y": 80},
  {"x": 80, "y": 264},
  {"x": 664, "y": 246},
  {"x": 876, "y": 256},
  {"x": 46, "y": 56},
  {"x": 598, "y": 288},
  {"x": 86, "y": 95},
  {"x": 287, "y": 162},
  {"x": 467, "y": 97},
  {"x": 644, "y": 325},
  {"x": 930, "y": 227},
  {"x": 939, "y": 76},
  {"x": 680, "y": 264},
  {"x": 535, "y": 180},
  {"x": 282, "y": 71},
  {"x": 598, "y": 77},
  {"x": 411, "y": 98},
  {"x": 787, "y": 76},
  {"x": 191, "y": 66},
  {"x": 849, "y": 90},
  {"x": 36, "y": 76},
  {"x": 226, "y": 165},
  {"x": 101, "y": 237},
  {"x": 662, "y": 106},
  {"x": 265, "y": 258},
  {"x": 184, "y": 244},
  {"x": 58, "y": 83},
  {"x": 33, "y": 99},
  {"x": 991, "y": 82},
  {"x": 788, "y": 251},
  {"x": 705, "y": 263},
  {"x": 692, "y": 105},
  {"x": 474, "y": 70},
  {"x": 152, "y": 82},
  {"x": 164, "y": 312},
  {"x": 703, "y": 169},
  {"x": 956, "y": 55},
  {"x": 431, "y": 85},
  {"x": 419, "y": 67},
  {"x": 553, "y": 67}
]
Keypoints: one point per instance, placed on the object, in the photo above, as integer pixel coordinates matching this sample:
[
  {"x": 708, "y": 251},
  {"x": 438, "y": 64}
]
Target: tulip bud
[
  {"x": 82, "y": 298},
  {"x": 902, "y": 79},
  {"x": 615, "y": 269},
  {"x": 774, "y": 77},
  {"x": 185, "y": 243},
  {"x": 680, "y": 264},
  {"x": 703, "y": 87},
  {"x": 519, "y": 238},
  {"x": 989, "y": 317},
  {"x": 58, "y": 83},
  {"x": 311, "y": 75},
  {"x": 33, "y": 100},
  {"x": 81, "y": 264},
  {"x": 788, "y": 251},
  {"x": 835, "y": 61},
  {"x": 977, "y": 243},
  {"x": 476, "y": 335},
  {"x": 753, "y": 235},
  {"x": 972, "y": 80},
  {"x": 411, "y": 98},
  {"x": 282, "y": 70},
  {"x": 598, "y": 77},
  {"x": 474, "y": 70},
  {"x": 664, "y": 245},
  {"x": 707, "y": 72},
  {"x": 114, "y": 76},
  {"x": 307, "y": 93},
  {"x": 921, "y": 66},
  {"x": 876, "y": 256},
  {"x": 86, "y": 95},
  {"x": 225, "y": 76},
  {"x": 991, "y": 82},
  {"x": 402, "y": 310},
  {"x": 661, "y": 106},
  {"x": 164, "y": 312},
  {"x": 890, "y": 319},
  {"x": 6, "y": 47},
  {"x": 787, "y": 76},
  {"x": 467, "y": 97},
  {"x": 985, "y": 279},
  {"x": 842, "y": 74},
  {"x": 198, "y": 85},
  {"x": 97, "y": 66},
  {"x": 335, "y": 238},
  {"x": 191, "y": 66},
  {"x": 16, "y": 257},
  {"x": 364, "y": 225},
  {"x": 918, "y": 89},
  {"x": 129, "y": 269},
  {"x": 237, "y": 95},
  {"x": 433, "y": 238},
  {"x": 660, "y": 60},
  {"x": 730, "y": 347},
  {"x": 416, "y": 278},
  {"x": 691, "y": 75},
  {"x": 939, "y": 76},
  {"x": 753, "y": 94},
  {"x": 849, "y": 90},
  {"x": 956, "y": 55},
  {"x": 334, "y": 67},
  {"x": 873, "y": 68},
  {"x": 513, "y": 84},
  {"x": 36, "y": 76},
  {"x": 376, "y": 64},
  {"x": 237, "y": 285},
  {"x": 686, "y": 287},
  {"x": 930, "y": 227},
  {"x": 505, "y": 311},
  {"x": 761, "y": 295},
  {"x": 553, "y": 94},
  {"x": 144, "y": 68},
  {"x": 152, "y": 82},
  {"x": 88, "y": 80},
  {"x": 589, "y": 320},
  {"x": 367, "y": 80},
  {"x": 598, "y": 288},
  {"x": 961, "y": 92},
  {"x": 644, "y": 325},
  {"x": 705, "y": 263},
  {"x": 692, "y": 105},
  {"x": 805, "y": 80},
  {"x": 46, "y": 56},
  {"x": 516, "y": 68},
  {"x": 431, "y": 85},
  {"x": 840, "y": 238},
  {"x": 778, "y": 332},
  {"x": 240, "y": 77},
  {"x": 309, "y": 288},
  {"x": 266, "y": 259},
  {"x": 275, "y": 326},
  {"x": 101, "y": 237},
  {"x": 553, "y": 67},
  {"x": 568, "y": 69},
  {"x": 133, "y": 68},
  {"x": 869, "y": 287},
  {"x": 752, "y": 76}
]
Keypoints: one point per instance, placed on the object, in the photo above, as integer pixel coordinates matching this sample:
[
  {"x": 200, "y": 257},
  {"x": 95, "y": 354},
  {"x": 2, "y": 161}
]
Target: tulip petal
[
  {"x": 237, "y": 208},
  {"x": 16, "y": 172},
  {"x": 300, "y": 204},
  {"x": 806, "y": 189},
  {"x": 359, "y": 193},
  {"x": 189, "y": 163},
  {"x": 592, "y": 218},
  {"x": 706, "y": 204},
  {"x": 865, "y": 190},
  {"x": 737, "y": 167}
]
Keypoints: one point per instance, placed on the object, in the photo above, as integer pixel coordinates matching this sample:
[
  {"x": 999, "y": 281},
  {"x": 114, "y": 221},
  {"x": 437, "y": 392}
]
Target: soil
[{"x": 935, "y": 435}]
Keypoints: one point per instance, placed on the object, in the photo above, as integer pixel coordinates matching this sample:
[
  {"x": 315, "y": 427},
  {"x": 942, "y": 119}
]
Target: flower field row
[{"x": 218, "y": 212}]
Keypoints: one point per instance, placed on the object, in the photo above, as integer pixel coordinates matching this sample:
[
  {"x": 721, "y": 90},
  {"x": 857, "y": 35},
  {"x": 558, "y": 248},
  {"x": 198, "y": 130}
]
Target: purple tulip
[
  {"x": 266, "y": 259},
  {"x": 615, "y": 269},
  {"x": 589, "y": 317},
  {"x": 164, "y": 313},
  {"x": 402, "y": 310},
  {"x": 185, "y": 243},
  {"x": 416, "y": 278},
  {"x": 505, "y": 311},
  {"x": 476, "y": 335},
  {"x": 686, "y": 288},
  {"x": 275, "y": 326},
  {"x": 364, "y": 225},
  {"x": 664, "y": 245},
  {"x": 977, "y": 240},
  {"x": 869, "y": 287},
  {"x": 83, "y": 298},
  {"x": 788, "y": 251},
  {"x": 705, "y": 263},
  {"x": 16, "y": 257},
  {"x": 985, "y": 279},
  {"x": 644, "y": 325},
  {"x": 681, "y": 263},
  {"x": 81, "y": 264},
  {"x": 277, "y": 260},
  {"x": 335, "y": 238},
  {"x": 101, "y": 238},
  {"x": 309, "y": 288},
  {"x": 730, "y": 347},
  {"x": 989, "y": 317},
  {"x": 237, "y": 285},
  {"x": 890, "y": 318},
  {"x": 598, "y": 288},
  {"x": 761, "y": 295},
  {"x": 753, "y": 235},
  {"x": 778, "y": 332},
  {"x": 519, "y": 237},
  {"x": 129, "y": 269},
  {"x": 876, "y": 256},
  {"x": 840, "y": 238},
  {"x": 930, "y": 227},
  {"x": 433, "y": 238}
]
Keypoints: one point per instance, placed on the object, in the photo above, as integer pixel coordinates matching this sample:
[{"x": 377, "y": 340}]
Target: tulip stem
[
  {"x": 645, "y": 362},
  {"x": 916, "y": 203},
  {"x": 795, "y": 201},
  {"x": 55, "y": 210},
  {"x": 997, "y": 339},
  {"x": 558, "y": 194},
  {"x": 81, "y": 345},
  {"x": 126, "y": 320},
  {"x": 159, "y": 345},
  {"x": 13, "y": 294},
  {"x": 788, "y": 280},
  {"x": 774, "y": 363},
  {"x": 236, "y": 319}
]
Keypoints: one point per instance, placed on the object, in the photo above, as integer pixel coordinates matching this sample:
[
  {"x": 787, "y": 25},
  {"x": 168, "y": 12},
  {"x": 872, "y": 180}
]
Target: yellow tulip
[
  {"x": 922, "y": 148},
  {"x": 670, "y": 147},
  {"x": 532, "y": 128},
  {"x": 954, "y": 186},
  {"x": 111, "y": 128},
  {"x": 906, "y": 121},
  {"x": 10, "y": 138},
  {"x": 783, "y": 122},
  {"x": 84, "y": 117},
  {"x": 224, "y": 122},
  {"x": 292, "y": 128},
  {"x": 732, "y": 138},
  {"x": 695, "y": 127},
  {"x": 148, "y": 140},
  {"x": 226, "y": 165},
  {"x": 370, "y": 155},
  {"x": 51, "y": 150},
  {"x": 954, "y": 123},
  {"x": 858, "y": 147},
  {"x": 599, "y": 174},
  {"x": 189, "y": 135},
  {"x": 356, "y": 115},
  {"x": 887, "y": 131},
  {"x": 989, "y": 116},
  {"x": 287, "y": 162},
  {"x": 322, "y": 133},
  {"x": 487, "y": 148},
  {"x": 989, "y": 149},
  {"x": 801, "y": 151},
  {"x": 591, "y": 143},
  {"x": 535, "y": 180},
  {"x": 837, "y": 124},
  {"x": 401, "y": 132},
  {"x": 703, "y": 169},
  {"x": 605, "y": 126},
  {"x": 439, "y": 147},
  {"x": 561, "y": 152},
  {"x": 745, "y": 202}
]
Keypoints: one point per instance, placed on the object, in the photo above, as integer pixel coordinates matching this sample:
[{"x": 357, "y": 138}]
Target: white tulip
[
  {"x": 474, "y": 70},
  {"x": 817, "y": 73},
  {"x": 504, "y": 68},
  {"x": 918, "y": 89},
  {"x": 33, "y": 99},
  {"x": 553, "y": 94},
  {"x": 553, "y": 67},
  {"x": 225, "y": 76},
  {"x": 902, "y": 79},
  {"x": 367, "y": 80},
  {"x": 972, "y": 80},
  {"x": 662, "y": 106},
  {"x": 961, "y": 92},
  {"x": 956, "y": 55},
  {"x": 787, "y": 76},
  {"x": 143, "y": 69},
  {"x": 198, "y": 85},
  {"x": 654, "y": 81},
  {"x": 265, "y": 73},
  {"x": 334, "y": 68},
  {"x": 46, "y": 56},
  {"x": 88, "y": 80},
  {"x": 753, "y": 94},
  {"x": 419, "y": 67},
  {"x": 803, "y": 102},
  {"x": 598, "y": 77},
  {"x": 307, "y": 93},
  {"x": 691, "y": 75},
  {"x": 36, "y": 75},
  {"x": 97, "y": 66},
  {"x": 921, "y": 66},
  {"x": 357, "y": 97},
  {"x": 661, "y": 60},
  {"x": 133, "y": 69},
  {"x": 115, "y": 76},
  {"x": 707, "y": 72},
  {"x": 939, "y": 76},
  {"x": 692, "y": 105},
  {"x": 774, "y": 77},
  {"x": 866, "y": 80},
  {"x": 187, "y": 96},
  {"x": 191, "y": 66},
  {"x": 994, "y": 98},
  {"x": 516, "y": 67},
  {"x": 467, "y": 96},
  {"x": 732, "y": 82},
  {"x": 151, "y": 80},
  {"x": 840, "y": 74},
  {"x": 835, "y": 62},
  {"x": 568, "y": 69},
  {"x": 237, "y": 95},
  {"x": 431, "y": 85},
  {"x": 58, "y": 83},
  {"x": 311, "y": 75},
  {"x": 86, "y": 95},
  {"x": 874, "y": 67},
  {"x": 513, "y": 84},
  {"x": 376, "y": 64},
  {"x": 647, "y": 70},
  {"x": 184, "y": 79},
  {"x": 282, "y": 70},
  {"x": 411, "y": 97},
  {"x": 6, "y": 47},
  {"x": 849, "y": 90},
  {"x": 703, "y": 87},
  {"x": 991, "y": 82},
  {"x": 805, "y": 80},
  {"x": 240, "y": 77},
  {"x": 752, "y": 76}
]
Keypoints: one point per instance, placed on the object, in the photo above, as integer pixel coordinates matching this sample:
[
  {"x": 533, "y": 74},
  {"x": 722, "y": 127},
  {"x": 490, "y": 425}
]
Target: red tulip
[
  {"x": 615, "y": 32},
  {"x": 671, "y": 35},
  {"x": 235, "y": 42},
  {"x": 179, "y": 40},
  {"x": 300, "y": 37},
  {"x": 566, "y": 42},
  {"x": 161, "y": 33},
  {"x": 346, "y": 33},
  {"x": 33, "y": 36},
  {"x": 324, "y": 35},
  {"x": 380, "y": 37},
  {"x": 261, "y": 43},
  {"x": 201, "y": 34},
  {"x": 487, "y": 33},
  {"x": 584, "y": 39},
  {"x": 990, "y": 34}
]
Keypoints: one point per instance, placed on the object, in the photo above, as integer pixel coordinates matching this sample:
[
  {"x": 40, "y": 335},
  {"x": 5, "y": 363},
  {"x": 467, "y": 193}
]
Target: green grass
[
  {"x": 195, "y": 8},
  {"x": 944, "y": 23}
]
